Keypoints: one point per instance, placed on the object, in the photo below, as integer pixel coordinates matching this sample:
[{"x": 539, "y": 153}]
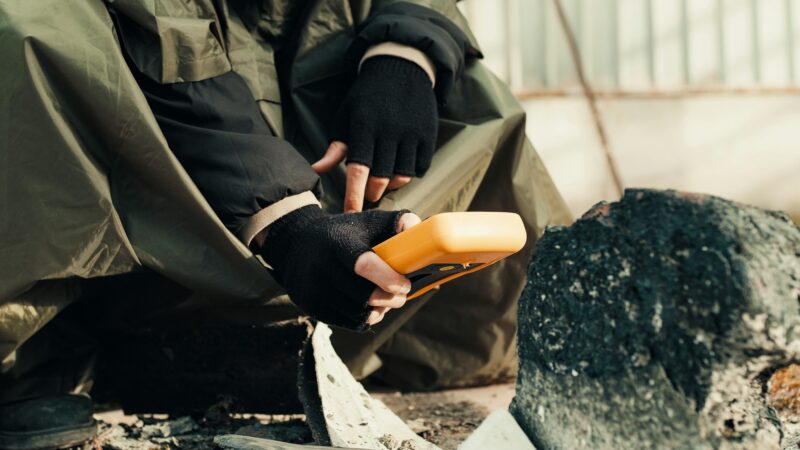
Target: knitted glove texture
[
  {"x": 313, "y": 255},
  {"x": 389, "y": 118}
]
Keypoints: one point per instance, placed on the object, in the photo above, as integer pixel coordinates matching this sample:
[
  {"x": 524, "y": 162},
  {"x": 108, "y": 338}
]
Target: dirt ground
[{"x": 444, "y": 418}]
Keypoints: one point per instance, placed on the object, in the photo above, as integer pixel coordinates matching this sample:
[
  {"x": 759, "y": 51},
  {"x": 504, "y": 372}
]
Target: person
[
  {"x": 262, "y": 188},
  {"x": 194, "y": 139}
]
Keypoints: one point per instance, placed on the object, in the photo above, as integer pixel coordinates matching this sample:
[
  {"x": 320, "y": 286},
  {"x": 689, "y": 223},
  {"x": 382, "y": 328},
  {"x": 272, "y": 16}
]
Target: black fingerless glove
[
  {"x": 313, "y": 255},
  {"x": 389, "y": 118}
]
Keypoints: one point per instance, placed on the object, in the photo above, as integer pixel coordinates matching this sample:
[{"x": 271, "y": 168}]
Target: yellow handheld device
[{"x": 450, "y": 245}]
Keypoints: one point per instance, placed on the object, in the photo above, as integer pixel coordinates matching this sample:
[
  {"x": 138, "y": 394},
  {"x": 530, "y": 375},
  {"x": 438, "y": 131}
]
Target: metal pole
[{"x": 589, "y": 93}]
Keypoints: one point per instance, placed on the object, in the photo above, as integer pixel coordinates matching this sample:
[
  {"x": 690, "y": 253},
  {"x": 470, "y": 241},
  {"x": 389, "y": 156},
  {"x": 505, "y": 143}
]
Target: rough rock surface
[
  {"x": 784, "y": 396},
  {"x": 655, "y": 322}
]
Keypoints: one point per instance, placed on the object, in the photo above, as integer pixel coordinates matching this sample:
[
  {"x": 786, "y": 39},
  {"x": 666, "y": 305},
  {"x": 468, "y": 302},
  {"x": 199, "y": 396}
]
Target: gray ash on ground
[
  {"x": 443, "y": 418},
  {"x": 186, "y": 433}
]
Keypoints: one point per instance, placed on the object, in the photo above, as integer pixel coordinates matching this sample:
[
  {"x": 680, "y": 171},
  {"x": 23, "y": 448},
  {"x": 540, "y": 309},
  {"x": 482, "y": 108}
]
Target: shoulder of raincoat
[{"x": 172, "y": 42}]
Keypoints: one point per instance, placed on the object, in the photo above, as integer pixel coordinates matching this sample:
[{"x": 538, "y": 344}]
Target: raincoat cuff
[
  {"x": 406, "y": 52},
  {"x": 264, "y": 218}
]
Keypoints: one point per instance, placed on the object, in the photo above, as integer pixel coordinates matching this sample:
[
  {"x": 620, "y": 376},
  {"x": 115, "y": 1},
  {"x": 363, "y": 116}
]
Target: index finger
[
  {"x": 357, "y": 176},
  {"x": 335, "y": 153},
  {"x": 373, "y": 268}
]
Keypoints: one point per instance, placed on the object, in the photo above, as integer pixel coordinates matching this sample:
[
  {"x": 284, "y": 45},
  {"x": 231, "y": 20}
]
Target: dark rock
[{"x": 655, "y": 322}]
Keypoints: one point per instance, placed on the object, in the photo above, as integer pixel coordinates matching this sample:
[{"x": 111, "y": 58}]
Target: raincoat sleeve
[
  {"x": 422, "y": 28},
  {"x": 214, "y": 128}
]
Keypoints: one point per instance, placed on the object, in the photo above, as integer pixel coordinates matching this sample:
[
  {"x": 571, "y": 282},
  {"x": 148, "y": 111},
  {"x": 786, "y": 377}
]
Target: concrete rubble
[
  {"x": 339, "y": 410},
  {"x": 195, "y": 434},
  {"x": 665, "y": 320}
]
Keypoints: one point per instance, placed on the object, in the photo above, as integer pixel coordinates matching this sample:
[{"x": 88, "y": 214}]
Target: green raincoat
[{"x": 89, "y": 188}]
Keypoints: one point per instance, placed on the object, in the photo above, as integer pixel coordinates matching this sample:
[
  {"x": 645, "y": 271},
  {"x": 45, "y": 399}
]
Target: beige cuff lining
[
  {"x": 273, "y": 212},
  {"x": 405, "y": 52}
]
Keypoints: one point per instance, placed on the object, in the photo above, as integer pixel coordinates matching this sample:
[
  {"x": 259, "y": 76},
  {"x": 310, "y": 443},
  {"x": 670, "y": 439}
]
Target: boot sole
[{"x": 54, "y": 439}]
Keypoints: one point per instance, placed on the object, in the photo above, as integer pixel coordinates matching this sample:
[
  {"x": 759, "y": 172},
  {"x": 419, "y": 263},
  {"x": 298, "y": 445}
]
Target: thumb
[
  {"x": 407, "y": 221},
  {"x": 335, "y": 154}
]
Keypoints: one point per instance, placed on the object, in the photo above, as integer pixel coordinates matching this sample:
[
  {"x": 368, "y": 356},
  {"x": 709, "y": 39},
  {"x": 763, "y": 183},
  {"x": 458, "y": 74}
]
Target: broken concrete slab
[
  {"x": 339, "y": 410},
  {"x": 655, "y": 322}
]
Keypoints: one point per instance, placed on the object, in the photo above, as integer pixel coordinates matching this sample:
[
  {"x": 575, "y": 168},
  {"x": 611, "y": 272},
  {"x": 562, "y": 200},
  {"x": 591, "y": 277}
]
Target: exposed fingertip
[
  {"x": 404, "y": 288},
  {"x": 374, "y": 317},
  {"x": 334, "y": 154},
  {"x": 398, "y": 181},
  {"x": 399, "y": 300}
]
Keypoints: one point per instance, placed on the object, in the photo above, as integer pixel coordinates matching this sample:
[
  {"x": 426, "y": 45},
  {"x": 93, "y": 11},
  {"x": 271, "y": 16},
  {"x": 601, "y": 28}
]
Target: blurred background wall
[{"x": 697, "y": 95}]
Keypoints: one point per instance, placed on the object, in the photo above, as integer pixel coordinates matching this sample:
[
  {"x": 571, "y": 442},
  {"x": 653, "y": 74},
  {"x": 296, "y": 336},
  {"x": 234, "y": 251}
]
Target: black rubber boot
[{"x": 50, "y": 422}]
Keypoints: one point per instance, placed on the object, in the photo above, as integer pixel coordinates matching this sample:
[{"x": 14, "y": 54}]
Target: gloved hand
[
  {"x": 389, "y": 122},
  {"x": 325, "y": 263}
]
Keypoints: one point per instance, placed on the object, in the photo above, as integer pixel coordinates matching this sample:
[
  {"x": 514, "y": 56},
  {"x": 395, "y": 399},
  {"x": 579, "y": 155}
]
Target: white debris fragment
[
  {"x": 353, "y": 418},
  {"x": 498, "y": 431}
]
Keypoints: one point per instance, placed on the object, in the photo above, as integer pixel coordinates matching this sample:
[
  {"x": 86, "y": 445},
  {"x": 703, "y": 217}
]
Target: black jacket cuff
[{"x": 422, "y": 28}]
